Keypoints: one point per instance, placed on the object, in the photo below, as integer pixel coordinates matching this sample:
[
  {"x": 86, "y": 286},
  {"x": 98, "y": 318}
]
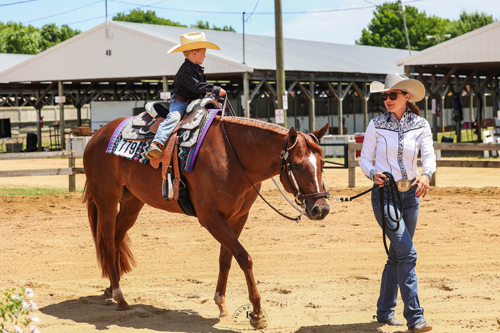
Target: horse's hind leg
[
  {"x": 129, "y": 210},
  {"x": 114, "y": 252},
  {"x": 225, "y": 259}
]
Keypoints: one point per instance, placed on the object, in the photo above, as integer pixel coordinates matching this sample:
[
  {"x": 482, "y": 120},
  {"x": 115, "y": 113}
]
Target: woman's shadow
[{"x": 102, "y": 312}]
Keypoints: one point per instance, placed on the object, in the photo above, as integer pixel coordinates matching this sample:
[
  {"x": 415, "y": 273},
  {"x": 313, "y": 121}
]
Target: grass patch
[{"x": 31, "y": 191}]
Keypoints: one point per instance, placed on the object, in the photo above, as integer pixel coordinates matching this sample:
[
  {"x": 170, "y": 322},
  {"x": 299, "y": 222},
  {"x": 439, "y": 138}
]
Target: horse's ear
[
  {"x": 292, "y": 136},
  {"x": 320, "y": 132}
]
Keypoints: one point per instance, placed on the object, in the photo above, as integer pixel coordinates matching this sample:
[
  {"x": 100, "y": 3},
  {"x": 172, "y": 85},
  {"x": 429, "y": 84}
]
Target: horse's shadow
[{"x": 102, "y": 312}]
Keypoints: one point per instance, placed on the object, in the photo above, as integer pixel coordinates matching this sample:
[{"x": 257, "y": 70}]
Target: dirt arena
[{"x": 314, "y": 276}]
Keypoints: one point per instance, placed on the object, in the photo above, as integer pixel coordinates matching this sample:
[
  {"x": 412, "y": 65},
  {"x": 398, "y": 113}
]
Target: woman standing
[{"x": 394, "y": 140}]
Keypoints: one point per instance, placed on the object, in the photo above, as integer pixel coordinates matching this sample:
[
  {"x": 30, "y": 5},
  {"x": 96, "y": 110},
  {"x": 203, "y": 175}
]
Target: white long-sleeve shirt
[{"x": 395, "y": 146}]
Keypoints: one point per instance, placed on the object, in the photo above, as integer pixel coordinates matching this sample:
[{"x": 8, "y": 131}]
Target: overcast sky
[{"x": 336, "y": 21}]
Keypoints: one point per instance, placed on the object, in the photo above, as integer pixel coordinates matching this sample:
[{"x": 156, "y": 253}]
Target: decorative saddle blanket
[{"x": 132, "y": 138}]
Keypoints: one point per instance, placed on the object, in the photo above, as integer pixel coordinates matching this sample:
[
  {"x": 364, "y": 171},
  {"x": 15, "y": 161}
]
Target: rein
[
  {"x": 286, "y": 163},
  {"x": 392, "y": 188}
]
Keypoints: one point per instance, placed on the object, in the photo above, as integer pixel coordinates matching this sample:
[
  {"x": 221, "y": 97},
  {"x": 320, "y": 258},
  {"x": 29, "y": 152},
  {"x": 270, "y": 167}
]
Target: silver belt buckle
[{"x": 403, "y": 185}]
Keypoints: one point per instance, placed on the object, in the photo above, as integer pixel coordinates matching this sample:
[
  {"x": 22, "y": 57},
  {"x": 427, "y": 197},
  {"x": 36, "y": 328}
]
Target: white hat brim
[
  {"x": 414, "y": 87},
  {"x": 193, "y": 46}
]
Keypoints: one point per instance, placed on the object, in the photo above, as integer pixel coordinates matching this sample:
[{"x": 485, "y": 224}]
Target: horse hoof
[
  {"x": 122, "y": 306},
  {"x": 224, "y": 313},
  {"x": 259, "y": 323}
]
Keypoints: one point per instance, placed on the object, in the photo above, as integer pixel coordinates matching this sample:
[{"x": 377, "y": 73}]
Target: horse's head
[{"x": 302, "y": 171}]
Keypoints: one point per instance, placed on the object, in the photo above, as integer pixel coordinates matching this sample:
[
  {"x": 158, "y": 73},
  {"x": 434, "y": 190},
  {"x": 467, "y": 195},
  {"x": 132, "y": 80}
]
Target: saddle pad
[
  {"x": 132, "y": 150},
  {"x": 188, "y": 155}
]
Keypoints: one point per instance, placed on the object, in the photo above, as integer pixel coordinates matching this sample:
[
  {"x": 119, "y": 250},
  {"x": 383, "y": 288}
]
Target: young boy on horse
[{"x": 189, "y": 84}]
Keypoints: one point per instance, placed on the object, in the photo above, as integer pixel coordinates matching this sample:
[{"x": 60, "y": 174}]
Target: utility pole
[
  {"x": 406, "y": 29},
  {"x": 280, "y": 61},
  {"x": 243, "y": 37}
]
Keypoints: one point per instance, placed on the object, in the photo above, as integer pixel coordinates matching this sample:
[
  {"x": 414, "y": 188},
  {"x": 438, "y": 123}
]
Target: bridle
[
  {"x": 286, "y": 172},
  {"x": 285, "y": 165}
]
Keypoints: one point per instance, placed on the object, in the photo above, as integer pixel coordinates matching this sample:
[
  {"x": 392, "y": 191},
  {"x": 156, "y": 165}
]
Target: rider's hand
[{"x": 222, "y": 92}]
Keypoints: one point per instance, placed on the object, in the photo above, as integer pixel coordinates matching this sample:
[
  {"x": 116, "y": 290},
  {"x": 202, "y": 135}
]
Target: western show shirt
[
  {"x": 190, "y": 82},
  {"x": 395, "y": 146}
]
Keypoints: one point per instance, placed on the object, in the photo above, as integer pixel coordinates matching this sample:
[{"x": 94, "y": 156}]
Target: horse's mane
[
  {"x": 279, "y": 130},
  {"x": 256, "y": 124}
]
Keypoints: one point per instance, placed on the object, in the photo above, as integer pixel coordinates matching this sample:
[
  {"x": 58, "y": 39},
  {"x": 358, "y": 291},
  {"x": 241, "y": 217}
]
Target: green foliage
[
  {"x": 17, "y": 38},
  {"x": 149, "y": 17},
  {"x": 14, "y": 310},
  {"x": 205, "y": 25},
  {"x": 469, "y": 22},
  {"x": 52, "y": 34},
  {"x": 31, "y": 191},
  {"x": 386, "y": 29}
]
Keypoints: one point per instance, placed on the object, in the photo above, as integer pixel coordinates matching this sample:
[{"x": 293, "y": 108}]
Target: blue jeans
[
  {"x": 176, "y": 111},
  {"x": 399, "y": 270}
]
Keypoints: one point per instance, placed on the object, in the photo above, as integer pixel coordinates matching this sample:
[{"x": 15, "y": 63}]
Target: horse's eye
[{"x": 297, "y": 167}]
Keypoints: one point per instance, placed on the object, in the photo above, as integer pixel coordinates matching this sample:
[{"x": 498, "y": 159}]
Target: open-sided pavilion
[
  {"x": 466, "y": 66},
  {"x": 118, "y": 61}
]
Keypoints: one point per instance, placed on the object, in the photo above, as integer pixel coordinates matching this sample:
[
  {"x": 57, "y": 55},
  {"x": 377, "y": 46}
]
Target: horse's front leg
[
  {"x": 222, "y": 232},
  {"x": 225, "y": 259}
]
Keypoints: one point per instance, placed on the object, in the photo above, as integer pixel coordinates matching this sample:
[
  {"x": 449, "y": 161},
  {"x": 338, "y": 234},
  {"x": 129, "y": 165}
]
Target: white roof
[
  {"x": 8, "y": 60},
  {"x": 140, "y": 50},
  {"x": 478, "y": 46}
]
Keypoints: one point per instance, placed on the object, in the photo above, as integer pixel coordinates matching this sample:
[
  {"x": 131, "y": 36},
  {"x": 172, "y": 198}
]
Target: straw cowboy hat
[
  {"x": 193, "y": 41},
  {"x": 400, "y": 82}
]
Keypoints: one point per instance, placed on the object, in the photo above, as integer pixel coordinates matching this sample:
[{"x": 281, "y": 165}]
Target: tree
[
  {"x": 206, "y": 26},
  {"x": 469, "y": 22},
  {"x": 52, "y": 34},
  {"x": 386, "y": 29},
  {"x": 149, "y": 17},
  {"x": 16, "y": 38}
]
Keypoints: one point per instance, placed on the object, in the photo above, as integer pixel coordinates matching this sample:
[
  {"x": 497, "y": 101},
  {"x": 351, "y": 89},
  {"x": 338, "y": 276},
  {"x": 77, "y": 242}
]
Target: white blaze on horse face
[{"x": 314, "y": 162}]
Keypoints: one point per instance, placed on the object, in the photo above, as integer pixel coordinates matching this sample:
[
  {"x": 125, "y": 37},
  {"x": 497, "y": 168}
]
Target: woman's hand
[
  {"x": 422, "y": 186},
  {"x": 222, "y": 92},
  {"x": 379, "y": 179}
]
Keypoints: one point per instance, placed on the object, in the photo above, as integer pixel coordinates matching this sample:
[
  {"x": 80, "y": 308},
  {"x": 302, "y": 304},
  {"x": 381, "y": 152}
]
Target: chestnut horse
[{"x": 117, "y": 188}]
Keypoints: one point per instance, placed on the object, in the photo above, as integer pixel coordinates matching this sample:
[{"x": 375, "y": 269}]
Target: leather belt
[{"x": 180, "y": 98}]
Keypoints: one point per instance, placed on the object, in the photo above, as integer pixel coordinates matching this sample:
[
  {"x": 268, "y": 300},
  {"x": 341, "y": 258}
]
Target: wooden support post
[
  {"x": 78, "y": 108},
  {"x": 246, "y": 95},
  {"x": 72, "y": 176},
  {"x": 434, "y": 115},
  {"x": 61, "y": 116},
  {"x": 312, "y": 111},
  {"x": 351, "y": 156},
  {"x": 433, "y": 180},
  {"x": 165, "y": 86},
  {"x": 340, "y": 109},
  {"x": 39, "y": 121}
]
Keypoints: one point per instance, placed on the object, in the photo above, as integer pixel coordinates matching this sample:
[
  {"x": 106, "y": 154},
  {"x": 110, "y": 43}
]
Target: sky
[{"x": 335, "y": 21}]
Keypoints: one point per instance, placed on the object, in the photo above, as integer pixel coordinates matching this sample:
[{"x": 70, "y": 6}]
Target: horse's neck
[{"x": 257, "y": 145}]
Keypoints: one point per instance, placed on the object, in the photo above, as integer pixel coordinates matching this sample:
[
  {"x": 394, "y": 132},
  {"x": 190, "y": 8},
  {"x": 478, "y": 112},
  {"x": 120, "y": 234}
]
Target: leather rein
[{"x": 286, "y": 171}]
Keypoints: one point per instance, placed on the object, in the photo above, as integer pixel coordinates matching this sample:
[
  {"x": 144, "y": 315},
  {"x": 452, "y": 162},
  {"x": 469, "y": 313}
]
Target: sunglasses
[{"x": 393, "y": 96}]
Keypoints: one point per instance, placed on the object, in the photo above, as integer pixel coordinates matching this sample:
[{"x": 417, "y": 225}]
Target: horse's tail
[{"x": 127, "y": 260}]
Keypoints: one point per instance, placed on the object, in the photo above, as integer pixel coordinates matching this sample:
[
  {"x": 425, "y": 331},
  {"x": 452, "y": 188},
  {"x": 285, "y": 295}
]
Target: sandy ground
[{"x": 314, "y": 276}]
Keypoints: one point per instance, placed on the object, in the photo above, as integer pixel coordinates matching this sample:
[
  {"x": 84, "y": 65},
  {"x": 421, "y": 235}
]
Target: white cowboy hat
[
  {"x": 400, "y": 82},
  {"x": 193, "y": 41}
]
